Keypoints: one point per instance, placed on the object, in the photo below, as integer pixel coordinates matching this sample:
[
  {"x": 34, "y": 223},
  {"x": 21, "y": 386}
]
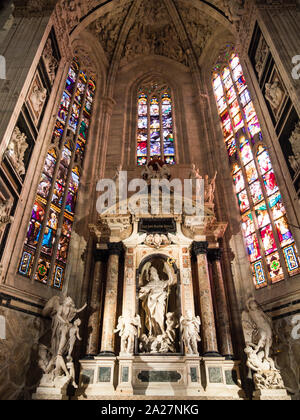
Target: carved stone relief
[
  {"x": 107, "y": 28},
  {"x": 199, "y": 26},
  {"x": 50, "y": 61},
  {"x": 295, "y": 143},
  {"x": 36, "y": 99},
  {"x": 16, "y": 150},
  {"x": 153, "y": 32}
]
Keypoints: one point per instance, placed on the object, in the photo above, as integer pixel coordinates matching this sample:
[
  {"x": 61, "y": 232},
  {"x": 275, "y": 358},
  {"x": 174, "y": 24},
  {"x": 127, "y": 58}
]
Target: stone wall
[
  {"x": 19, "y": 373},
  {"x": 287, "y": 349}
]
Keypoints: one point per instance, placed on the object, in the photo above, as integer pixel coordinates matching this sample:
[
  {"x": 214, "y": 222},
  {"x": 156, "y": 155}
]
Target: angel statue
[
  {"x": 189, "y": 328},
  {"x": 65, "y": 331},
  {"x": 128, "y": 328},
  {"x": 154, "y": 296},
  {"x": 258, "y": 333}
]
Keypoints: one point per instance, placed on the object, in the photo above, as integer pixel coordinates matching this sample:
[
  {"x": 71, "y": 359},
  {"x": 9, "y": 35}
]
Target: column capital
[
  {"x": 199, "y": 248},
  {"x": 214, "y": 254},
  {"x": 115, "y": 248}
]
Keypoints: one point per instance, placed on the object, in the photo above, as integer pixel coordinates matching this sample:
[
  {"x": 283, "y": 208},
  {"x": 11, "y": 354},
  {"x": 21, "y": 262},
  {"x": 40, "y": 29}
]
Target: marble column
[
  {"x": 92, "y": 348},
  {"x": 111, "y": 297},
  {"x": 223, "y": 322},
  {"x": 209, "y": 336}
]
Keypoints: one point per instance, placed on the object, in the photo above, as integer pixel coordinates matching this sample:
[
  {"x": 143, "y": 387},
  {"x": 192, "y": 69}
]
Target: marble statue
[
  {"x": 156, "y": 171},
  {"x": 16, "y": 150},
  {"x": 5, "y": 208},
  {"x": 56, "y": 361},
  {"x": 274, "y": 94},
  {"x": 128, "y": 328},
  {"x": 258, "y": 333},
  {"x": 154, "y": 296},
  {"x": 189, "y": 327},
  {"x": 266, "y": 375},
  {"x": 209, "y": 188},
  {"x": 194, "y": 174}
]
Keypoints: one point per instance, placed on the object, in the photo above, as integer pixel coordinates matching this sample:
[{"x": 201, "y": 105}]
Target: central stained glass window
[
  {"x": 155, "y": 129},
  {"x": 270, "y": 244}
]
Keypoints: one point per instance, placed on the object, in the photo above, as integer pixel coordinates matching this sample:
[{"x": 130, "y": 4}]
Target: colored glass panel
[
  {"x": 264, "y": 162},
  {"x": 276, "y": 206},
  {"x": 243, "y": 201},
  {"x": 251, "y": 172},
  {"x": 270, "y": 183},
  {"x": 262, "y": 215},
  {"x": 231, "y": 146},
  {"x": 274, "y": 267},
  {"x": 256, "y": 192},
  {"x": 284, "y": 233},
  {"x": 259, "y": 275},
  {"x": 254, "y": 127},
  {"x": 268, "y": 239},
  {"x": 248, "y": 224},
  {"x": 239, "y": 182},
  {"x": 253, "y": 248},
  {"x": 245, "y": 97},
  {"x": 246, "y": 152},
  {"x": 249, "y": 111},
  {"x": 292, "y": 259}
]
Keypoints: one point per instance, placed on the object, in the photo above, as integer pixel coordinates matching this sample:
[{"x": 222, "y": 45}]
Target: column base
[
  {"x": 106, "y": 354},
  {"x": 212, "y": 354}
]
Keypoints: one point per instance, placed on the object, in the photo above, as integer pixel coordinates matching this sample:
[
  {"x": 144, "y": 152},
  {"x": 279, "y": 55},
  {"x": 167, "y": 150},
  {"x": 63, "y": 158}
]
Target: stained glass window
[
  {"x": 268, "y": 239},
  {"x": 155, "y": 129},
  {"x": 48, "y": 237}
]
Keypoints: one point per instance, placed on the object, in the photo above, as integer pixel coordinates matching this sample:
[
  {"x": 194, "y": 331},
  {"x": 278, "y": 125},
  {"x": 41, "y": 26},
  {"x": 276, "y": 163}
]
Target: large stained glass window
[
  {"x": 155, "y": 130},
  {"x": 270, "y": 244},
  {"x": 48, "y": 237}
]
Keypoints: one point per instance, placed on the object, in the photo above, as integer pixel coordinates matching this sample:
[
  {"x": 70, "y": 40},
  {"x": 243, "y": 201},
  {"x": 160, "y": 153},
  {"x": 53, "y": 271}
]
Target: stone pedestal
[
  {"x": 271, "y": 394},
  {"x": 49, "y": 390},
  {"x": 222, "y": 378},
  {"x": 97, "y": 378},
  {"x": 125, "y": 375},
  {"x": 194, "y": 385}
]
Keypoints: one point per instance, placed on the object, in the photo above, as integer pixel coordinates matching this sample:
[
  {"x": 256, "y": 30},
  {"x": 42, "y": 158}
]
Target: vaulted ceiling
[{"x": 169, "y": 28}]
